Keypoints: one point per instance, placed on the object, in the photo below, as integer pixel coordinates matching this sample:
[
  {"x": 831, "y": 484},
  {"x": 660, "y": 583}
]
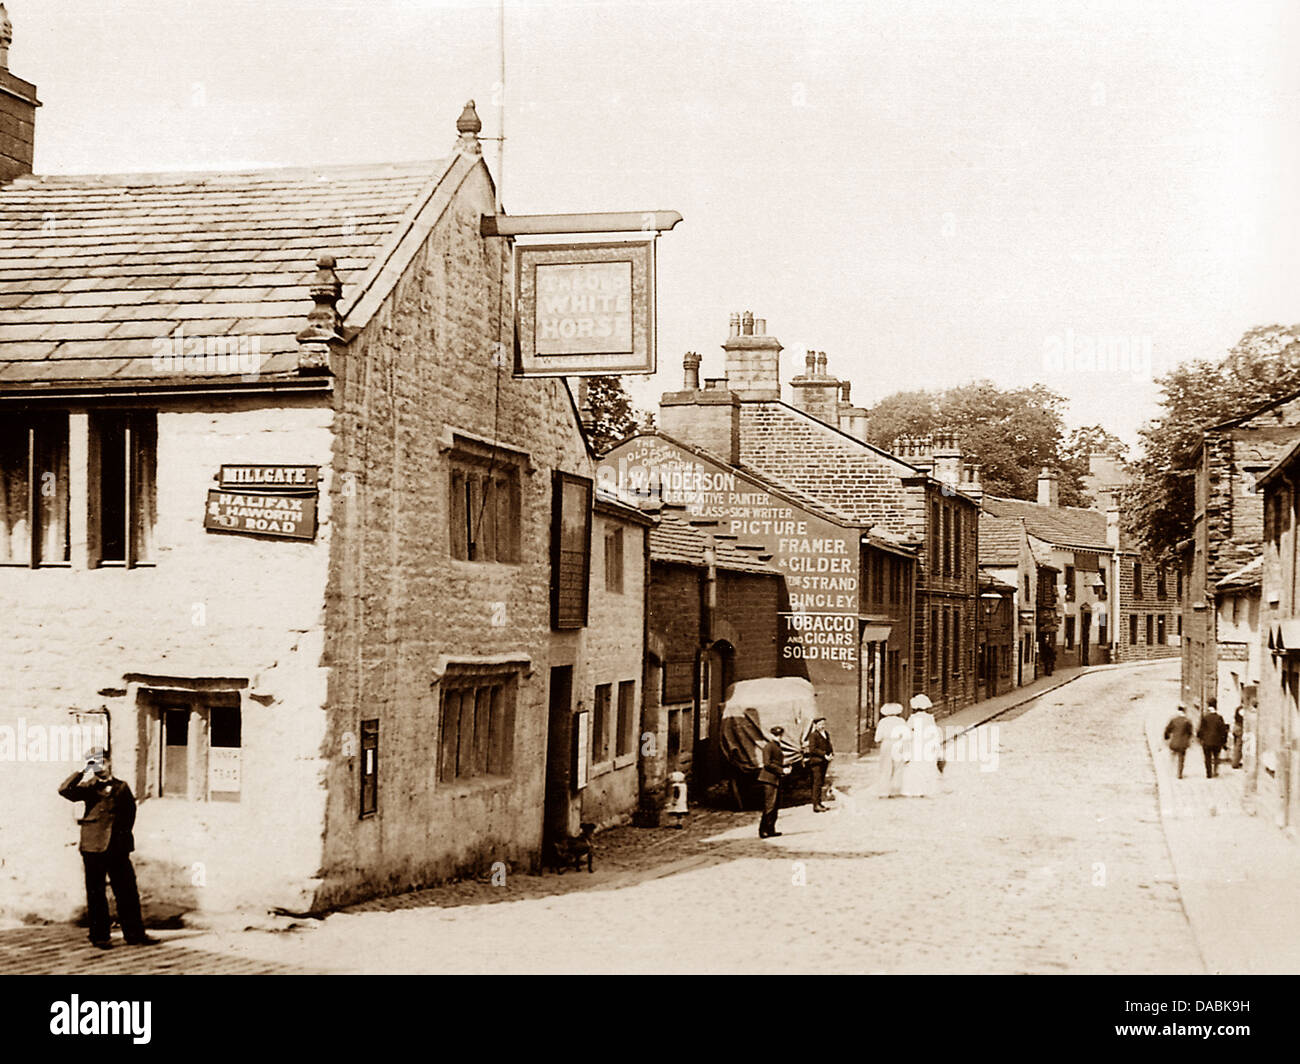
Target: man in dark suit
[
  {"x": 106, "y": 845},
  {"x": 1178, "y": 734},
  {"x": 818, "y": 754},
  {"x": 1213, "y": 736},
  {"x": 770, "y": 777}
]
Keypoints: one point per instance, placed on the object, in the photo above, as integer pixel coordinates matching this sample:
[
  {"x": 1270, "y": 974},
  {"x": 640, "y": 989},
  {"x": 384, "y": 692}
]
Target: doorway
[{"x": 559, "y": 755}]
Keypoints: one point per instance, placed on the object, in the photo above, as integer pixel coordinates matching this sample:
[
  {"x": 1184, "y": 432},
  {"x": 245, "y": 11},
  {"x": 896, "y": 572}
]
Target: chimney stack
[
  {"x": 947, "y": 458},
  {"x": 1049, "y": 489},
  {"x": 816, "y": 392},
  {"x": 1112, "y": 525},
  {"x": 753, "y": 359},
  {"x": 18, "y": 105}
]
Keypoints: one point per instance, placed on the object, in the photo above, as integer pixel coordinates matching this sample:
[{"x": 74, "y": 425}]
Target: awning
[{"x": 876, "y": 633}]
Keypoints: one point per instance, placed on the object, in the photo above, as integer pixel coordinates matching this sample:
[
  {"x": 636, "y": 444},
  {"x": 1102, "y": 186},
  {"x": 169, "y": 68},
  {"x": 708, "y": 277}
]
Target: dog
[{"x": 574, "y": 849}]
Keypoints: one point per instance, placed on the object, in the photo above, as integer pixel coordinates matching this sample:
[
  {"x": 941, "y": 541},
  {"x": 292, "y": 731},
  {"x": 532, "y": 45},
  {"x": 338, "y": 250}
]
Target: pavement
[
  {"x": 1047, "y": 847},
  {"x": 1238, "y": 873}
]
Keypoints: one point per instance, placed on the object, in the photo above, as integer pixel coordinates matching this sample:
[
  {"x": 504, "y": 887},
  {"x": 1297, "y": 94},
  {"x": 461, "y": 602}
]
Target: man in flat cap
[{"x": 106, "y": 845}]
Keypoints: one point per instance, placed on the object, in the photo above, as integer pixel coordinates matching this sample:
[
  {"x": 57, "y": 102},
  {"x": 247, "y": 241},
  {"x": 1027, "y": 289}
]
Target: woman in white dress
[
  {"x": 894, "y": 741},
  {"x": 921, "y": 774}
]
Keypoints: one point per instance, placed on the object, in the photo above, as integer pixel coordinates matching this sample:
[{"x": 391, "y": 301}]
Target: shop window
[
  {"x": 570, "y": 549},
  {"x": 600, "y": 723},
  {"x": 483, "y": 507},
  {"x": 34, "y": 490},
  {"x": 197, "y": 748},
  {"x": 476, "y": 722},
  {"x": 369, "y": 767},
  {"x": 123, "y": 462},
  {"x": 614, "y": 560},
  {"x": 626, "y": 735}
]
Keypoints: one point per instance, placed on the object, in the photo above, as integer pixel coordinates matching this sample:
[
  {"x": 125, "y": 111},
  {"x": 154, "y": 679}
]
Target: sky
[{"x": 930, "y": 193}]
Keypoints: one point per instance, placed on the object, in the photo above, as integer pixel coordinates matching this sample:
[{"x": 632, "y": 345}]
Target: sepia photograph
[{"x": 650, "y": 488}]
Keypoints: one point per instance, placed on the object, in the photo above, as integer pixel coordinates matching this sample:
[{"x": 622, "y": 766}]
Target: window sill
[
  {"x": 462, "y": 787},
  {"x": 624, "y": 760},
  {"x": 601, "y": 769},
  {"x": 123, "y": 565}
]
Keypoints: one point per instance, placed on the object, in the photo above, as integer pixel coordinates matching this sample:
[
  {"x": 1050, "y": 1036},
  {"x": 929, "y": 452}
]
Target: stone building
[
  {"x": 995, "y": 636},
  {"x": 844, "y": 612},
  {"x": 1006, "y": 554},
  {"x": 1275, "y": 778},
  {"x": 1239, "y": 654},
  {"x": 920, "y": 506},
  {"x": 1227, "y": 528},
  {"x": 1112, "y": 602},
  {"x": 715, "y": 602},
  {"x": 275, "y": 511}
]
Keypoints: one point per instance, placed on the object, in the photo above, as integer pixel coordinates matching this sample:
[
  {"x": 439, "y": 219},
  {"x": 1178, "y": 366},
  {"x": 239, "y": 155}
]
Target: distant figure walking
[
  {"x": 818, "y": 753},
  {"x": 1238, "y": 736},
  {"x": 770, "y": 777},
  {"x": 106, "y": 845},
  {"x": 921, "y": 775},
  {"x": 894, "y": 740},
  {"x": 1178, "y": 734},
  {"x": 1213, "y": 736},
  {"x": 1049, "y": 656}
]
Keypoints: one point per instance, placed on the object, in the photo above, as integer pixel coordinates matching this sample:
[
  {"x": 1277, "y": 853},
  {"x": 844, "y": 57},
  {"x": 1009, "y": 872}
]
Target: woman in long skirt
[
  {"x": 893, "y": 739},
  {"x": 921, "y": 776}
]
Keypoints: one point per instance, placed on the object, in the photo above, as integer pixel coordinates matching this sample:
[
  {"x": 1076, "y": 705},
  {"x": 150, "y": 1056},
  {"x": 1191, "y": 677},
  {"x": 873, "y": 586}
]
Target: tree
[
  {"x": 614, "y": 417},
  {"x": 1263, "y": 367},
  {"x": 1011, "y": 433}
]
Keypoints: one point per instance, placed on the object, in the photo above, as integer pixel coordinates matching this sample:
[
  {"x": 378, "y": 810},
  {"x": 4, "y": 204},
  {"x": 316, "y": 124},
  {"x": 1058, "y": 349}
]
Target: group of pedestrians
[
  {"x": 1212, "y": 734},
  {"x": 911, "y": 750}
]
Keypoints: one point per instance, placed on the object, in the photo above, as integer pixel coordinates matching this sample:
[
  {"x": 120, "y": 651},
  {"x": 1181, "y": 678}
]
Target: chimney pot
[
  {"x": 733, "y": 328},
  {"x": 691, "y": 363},
  {"x": 821, "y": 363},
  {"x": 760, "y": 326},
  {"x": 844, "y": 390},
  {"x": 747, "y": 324},
  {"x": 810, "y": 360}
]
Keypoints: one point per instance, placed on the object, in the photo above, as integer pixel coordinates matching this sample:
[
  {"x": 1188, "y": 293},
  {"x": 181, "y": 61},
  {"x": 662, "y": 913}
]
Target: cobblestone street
[{"x": 1051, "y": 859}]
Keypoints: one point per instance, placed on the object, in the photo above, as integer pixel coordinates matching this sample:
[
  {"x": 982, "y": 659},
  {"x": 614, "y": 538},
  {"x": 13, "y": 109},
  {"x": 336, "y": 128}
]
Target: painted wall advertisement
[{"x": 818, "y": 559}]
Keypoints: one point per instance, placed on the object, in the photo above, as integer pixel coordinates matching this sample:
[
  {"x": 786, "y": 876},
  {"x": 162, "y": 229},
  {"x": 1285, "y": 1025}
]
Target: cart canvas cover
[{"x": 751, "y": 709}]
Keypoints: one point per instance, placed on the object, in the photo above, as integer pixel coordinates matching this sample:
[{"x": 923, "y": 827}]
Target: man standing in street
[
  {"x": 770, "y": 777},
  {"x": 106, "y": 845},
  {"x": 818, "y": 754},
  {"x": 1178, "y": 734},
  {"x": 1213, "y": 736}
]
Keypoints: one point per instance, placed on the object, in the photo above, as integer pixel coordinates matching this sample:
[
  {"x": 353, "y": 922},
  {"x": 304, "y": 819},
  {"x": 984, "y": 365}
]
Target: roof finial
[
  {"x": 323, "y": 320},
  {"x": 6, "y": 37},
  {"x": 469, "y": 126}
]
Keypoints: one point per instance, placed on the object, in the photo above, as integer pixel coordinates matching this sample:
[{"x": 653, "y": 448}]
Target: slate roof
[
  {"x": 855, "y": 478},
  {"x": 1000, "y": 540},
  {"x": 1244, "y": 579},
  {"x": 677, "y": 541},
  {"x": 1062, "y": 526},
  {"x": 94, "y": 270}
]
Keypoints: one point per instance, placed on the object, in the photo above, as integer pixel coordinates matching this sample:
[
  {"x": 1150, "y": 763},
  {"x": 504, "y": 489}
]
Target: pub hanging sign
[
  {"x": 264, "y": 500},
  {"x": 586, "y": 309}
]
